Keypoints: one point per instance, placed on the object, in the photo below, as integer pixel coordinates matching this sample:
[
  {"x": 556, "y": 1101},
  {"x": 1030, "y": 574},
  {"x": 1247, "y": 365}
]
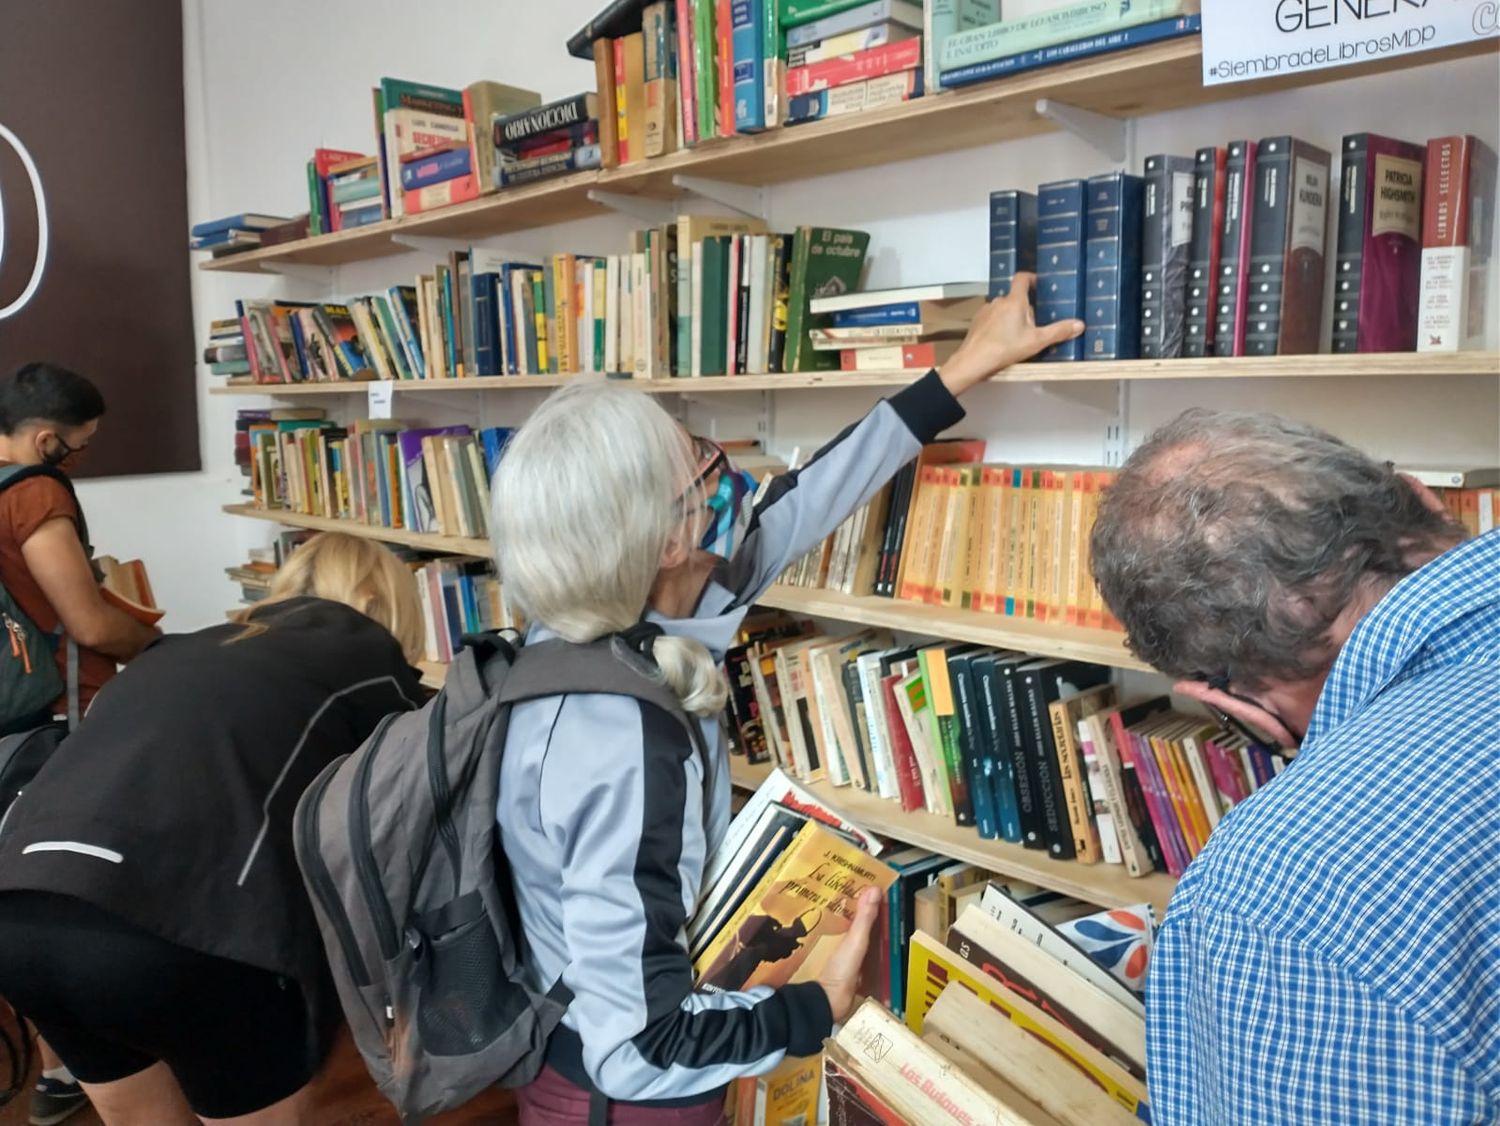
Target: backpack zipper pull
[
  {"x": 10, "y": 630},
  {"x": 18, "y": 644}
]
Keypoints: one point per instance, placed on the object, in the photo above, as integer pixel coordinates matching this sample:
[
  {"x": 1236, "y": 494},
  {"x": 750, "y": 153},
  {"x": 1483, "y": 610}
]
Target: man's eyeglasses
[{"x": 1220, "y": 683}]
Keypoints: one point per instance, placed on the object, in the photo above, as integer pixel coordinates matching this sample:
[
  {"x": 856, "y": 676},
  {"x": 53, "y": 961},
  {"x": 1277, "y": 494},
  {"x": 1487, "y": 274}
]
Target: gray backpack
[{"x": 400, "y": 853}]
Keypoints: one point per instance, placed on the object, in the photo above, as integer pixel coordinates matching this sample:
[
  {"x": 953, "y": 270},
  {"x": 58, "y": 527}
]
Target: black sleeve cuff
[
  {"x": 927, "y": 407},
  {"x": 809, "y": 1020}
]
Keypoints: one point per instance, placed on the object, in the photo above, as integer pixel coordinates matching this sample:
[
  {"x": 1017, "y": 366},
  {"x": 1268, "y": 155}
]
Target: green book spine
[
  {"x": 715, "y": 311},
  {"x": 539, "y": 323},
  {"x": 526, "y": 330},
  {"x": 230, "y": 367},
  {"x": 315, "y": 224},
  {"x": 826, "y": 261},
  {"x": 601, "y": 272},
  {"x": 705, "y": 60},
  {"x": 684, "y": 323},
  {"x": 549, "y": 304},
  {"x": 445, "y": 302},
  {"x": 795, "y": 12},
  {"x": 940, "y": 728},
  {"x": 1061, "y": 25}
]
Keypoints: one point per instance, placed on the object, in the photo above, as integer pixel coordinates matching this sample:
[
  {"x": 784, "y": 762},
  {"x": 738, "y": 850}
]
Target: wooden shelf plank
[
  {"x": 1104, "y": 884},
  {"x": 1099, "y": 647},
  {"x": 453, "y": 545},
  {"x": 1153, "y": 79},
  {"x": 1370, "y": 365}
]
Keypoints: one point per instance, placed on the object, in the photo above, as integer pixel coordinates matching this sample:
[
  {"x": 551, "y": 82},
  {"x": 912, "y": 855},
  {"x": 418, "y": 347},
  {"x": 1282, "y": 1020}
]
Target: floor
[{"x": 346, "y": 1098}]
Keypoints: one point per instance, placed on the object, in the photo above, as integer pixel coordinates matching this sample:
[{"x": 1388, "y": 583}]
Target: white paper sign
[
  {"x": 382, "y": 392},
  {"x": 1248, "y": 39}
]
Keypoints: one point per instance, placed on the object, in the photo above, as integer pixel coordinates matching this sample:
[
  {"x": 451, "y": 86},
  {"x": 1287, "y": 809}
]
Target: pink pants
[{"x": 552, "y": 1100}]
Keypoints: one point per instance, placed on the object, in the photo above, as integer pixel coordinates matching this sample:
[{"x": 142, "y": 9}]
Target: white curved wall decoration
[{"x": 35, "y": 281}]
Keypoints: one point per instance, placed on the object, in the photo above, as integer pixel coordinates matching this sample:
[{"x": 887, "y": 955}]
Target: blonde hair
[
  {"x": 587, "y": 500},
  {"x": 357, "y": 572}
]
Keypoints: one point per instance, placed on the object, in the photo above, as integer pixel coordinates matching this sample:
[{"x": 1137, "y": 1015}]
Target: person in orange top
[{"x": 48, "y": 415}]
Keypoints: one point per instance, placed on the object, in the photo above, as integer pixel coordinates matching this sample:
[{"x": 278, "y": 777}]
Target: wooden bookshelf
[
  {"x": 1153, "y": 79},
  {"x": 452, "y": 545},
  {"x": 1104, "y": 884},
  {"x": 1412, "y": 365},
  {"x": 1097, "y": 646}
]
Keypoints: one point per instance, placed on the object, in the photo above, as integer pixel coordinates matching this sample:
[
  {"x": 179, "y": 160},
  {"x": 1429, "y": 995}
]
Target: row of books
[
  {"x": 952, "y": 530},
  {"x": 433, "y": 480},
  {"x": 1036, "y": 751},
  {"x": 778, "y": 898},
  {"x": 233, "y": 234},
  {"x": 1475, "y": 509},
  {"x": 1225, "y": 253}
]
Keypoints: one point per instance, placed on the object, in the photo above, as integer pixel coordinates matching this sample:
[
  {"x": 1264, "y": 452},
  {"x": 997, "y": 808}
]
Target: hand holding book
[
  {"x": 1004, "y": 333},
  {"x": 840, "y": 977}
]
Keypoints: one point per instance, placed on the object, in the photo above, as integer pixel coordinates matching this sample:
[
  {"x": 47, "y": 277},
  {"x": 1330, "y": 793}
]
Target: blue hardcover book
[
  {"x": 362, "y": 217},
  {"x": 902, "y": 313},
  {"x": 485, "y": 288},
  {"x": 1059, "y": 261},
  {"x": 971, "y": 741},
  {"x": 1137, "y": 36},
  {"x": 1012, "y": 238},
  {"x": 1113, "y": 273},
  {"x": 492, "y": 442},
  {"x": 746, "y": 18},
  {"x": 1000, "y": 768},
  {"x": 403, "y": 305},
  {"x": 300, "y": 343},
  {"x": 435, "y": 169},
  {"x": 246, "y": 221}
]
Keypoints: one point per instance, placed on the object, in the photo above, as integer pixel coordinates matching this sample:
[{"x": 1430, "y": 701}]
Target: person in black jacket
[{"x": 153, "y": 922}]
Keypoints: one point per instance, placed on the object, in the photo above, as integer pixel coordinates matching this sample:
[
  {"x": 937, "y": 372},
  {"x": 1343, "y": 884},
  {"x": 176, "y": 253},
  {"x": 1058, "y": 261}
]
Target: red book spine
[
  {"x": 1445, "y": 217},
  {"x": 724, "y": 32},
  {"x": 324, "y": 159},
  {"x": 1162, "y": 820},
  {"x": 1391, "y": 275},
  {"x": 913, "y": 356},
  {"x": 873, "y": 63},
  {"x": 687, "y": 73},
  {"x": 908, "y": 772}
]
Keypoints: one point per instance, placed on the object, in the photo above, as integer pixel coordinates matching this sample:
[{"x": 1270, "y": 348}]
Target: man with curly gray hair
[{"x": 1333, "y": 956}]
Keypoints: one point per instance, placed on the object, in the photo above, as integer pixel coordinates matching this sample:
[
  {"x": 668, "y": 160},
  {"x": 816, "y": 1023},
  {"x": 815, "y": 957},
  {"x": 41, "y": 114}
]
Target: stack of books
[
  {"x": 1210, "y": 255},
  {"x": 547, "y": 141},
  {"x": 256, "y": 574},
  {"x": 232, "y": 234},
  {"x": 914, "y": 328},
  {"x": 954, "y": 530},
  {"x": 433, "y": 480},
  {"x": 324, "y": 216},
  {"x": 412, "y": 119},
  {"x": 847, "y": 58},
  {"x": 225, "y": 353},
  {"x": 354, "y": 193},
  {"x": 970, "y": 45}
]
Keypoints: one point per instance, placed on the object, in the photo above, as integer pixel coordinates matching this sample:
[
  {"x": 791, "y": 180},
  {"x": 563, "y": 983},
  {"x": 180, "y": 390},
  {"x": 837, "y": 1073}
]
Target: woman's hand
[
  {"x": 1005, "y": 332},
  {"x": 840, "y": 976}
]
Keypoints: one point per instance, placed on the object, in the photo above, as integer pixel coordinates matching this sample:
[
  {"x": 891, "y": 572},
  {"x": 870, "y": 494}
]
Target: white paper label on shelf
[
  {"x": 1248, "y": 39},
  {"x": 382, "y": 393}
]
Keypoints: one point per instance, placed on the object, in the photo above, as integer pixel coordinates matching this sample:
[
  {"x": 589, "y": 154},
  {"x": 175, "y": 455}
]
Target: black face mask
[{"x": 60, "y": 453}]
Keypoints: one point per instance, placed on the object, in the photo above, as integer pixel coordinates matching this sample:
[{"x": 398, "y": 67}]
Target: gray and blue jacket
[{"x": 607, "y": 816}]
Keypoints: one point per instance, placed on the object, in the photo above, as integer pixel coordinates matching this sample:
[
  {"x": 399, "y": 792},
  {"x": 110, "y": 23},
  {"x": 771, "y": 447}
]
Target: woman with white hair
[{"x": 611, "y": 520}]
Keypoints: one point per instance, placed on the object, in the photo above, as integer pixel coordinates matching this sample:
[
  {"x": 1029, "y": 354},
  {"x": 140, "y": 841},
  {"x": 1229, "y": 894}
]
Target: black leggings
[{"x": 112, "y": 1000}]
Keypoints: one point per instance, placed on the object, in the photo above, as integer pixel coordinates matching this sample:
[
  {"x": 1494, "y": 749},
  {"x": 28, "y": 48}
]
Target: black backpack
[{"x": 401, "y": 857}]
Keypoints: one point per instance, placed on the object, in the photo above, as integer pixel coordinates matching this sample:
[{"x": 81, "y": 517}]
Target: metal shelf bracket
[{"x": 1107, "y": 134}]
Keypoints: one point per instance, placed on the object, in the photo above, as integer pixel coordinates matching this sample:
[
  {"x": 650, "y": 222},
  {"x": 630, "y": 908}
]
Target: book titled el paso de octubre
[
  {"x": 514, "y": 128},
  {"x": 794, "y": 919}
]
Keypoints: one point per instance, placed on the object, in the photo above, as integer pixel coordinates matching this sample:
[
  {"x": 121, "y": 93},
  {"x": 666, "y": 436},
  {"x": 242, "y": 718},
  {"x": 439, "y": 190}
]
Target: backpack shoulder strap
[
  {"x": 15, "y": 474},
  {"x": 605, "y": 667}
]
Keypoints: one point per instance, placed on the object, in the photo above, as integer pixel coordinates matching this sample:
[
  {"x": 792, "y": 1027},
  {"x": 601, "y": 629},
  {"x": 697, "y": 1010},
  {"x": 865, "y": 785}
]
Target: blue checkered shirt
[{"x": 1333, "y": 956}]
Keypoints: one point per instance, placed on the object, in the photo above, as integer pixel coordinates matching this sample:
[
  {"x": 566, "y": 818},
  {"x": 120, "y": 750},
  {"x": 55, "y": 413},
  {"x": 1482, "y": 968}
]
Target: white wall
[{"x": 258, "y": 103}]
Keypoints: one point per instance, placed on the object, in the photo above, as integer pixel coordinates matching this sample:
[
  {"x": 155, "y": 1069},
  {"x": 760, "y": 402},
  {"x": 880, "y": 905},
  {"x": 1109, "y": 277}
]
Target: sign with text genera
[{"x": 1248, "y": 39}]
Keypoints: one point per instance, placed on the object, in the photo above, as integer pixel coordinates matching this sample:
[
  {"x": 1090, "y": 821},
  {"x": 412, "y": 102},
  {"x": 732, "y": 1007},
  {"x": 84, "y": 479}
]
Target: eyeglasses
[
  {"x": 1220, "y": 683},
  {"x": 711, "y": 459}
]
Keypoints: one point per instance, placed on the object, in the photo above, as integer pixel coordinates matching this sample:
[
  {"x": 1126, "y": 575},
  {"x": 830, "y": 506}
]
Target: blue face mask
[{"x": 729, "y": 509}]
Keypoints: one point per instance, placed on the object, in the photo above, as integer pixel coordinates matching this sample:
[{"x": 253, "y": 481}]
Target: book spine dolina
[
  {"x": 1457, "y": 227},
  {"x": 1166, "y": 245},
  {"x": 1289, "y": 227},
  {"x": 1378, "y": 266},
  {"x": 1203, "y": 259},
  {"x": 1012, "y": 238},
  {"x": 1234, "y": 250},
  {"x": 1112, "y": 278},
  {"x": 1084, "y": 48},
  {"x": 1060, "y": 262}
]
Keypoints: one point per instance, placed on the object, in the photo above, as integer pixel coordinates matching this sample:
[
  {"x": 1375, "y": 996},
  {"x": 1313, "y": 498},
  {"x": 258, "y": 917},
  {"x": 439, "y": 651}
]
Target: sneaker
[{"x": 53, "y": 1101}]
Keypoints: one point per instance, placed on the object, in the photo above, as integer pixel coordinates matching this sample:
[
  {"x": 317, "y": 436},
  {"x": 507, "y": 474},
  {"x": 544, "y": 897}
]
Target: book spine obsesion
[
  {"x": 877, "y": 62},
  {"x": 1167, "y": 239},
  {"x": 1234, "y": 250},
  {"x": 1060, "y": 261},
  {"x": 1012, "y": 238},
  {"x": 1203, "y": 258},
  {"x": 1458, "y": 224},
  {"x": 1113, "y": 273}
]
